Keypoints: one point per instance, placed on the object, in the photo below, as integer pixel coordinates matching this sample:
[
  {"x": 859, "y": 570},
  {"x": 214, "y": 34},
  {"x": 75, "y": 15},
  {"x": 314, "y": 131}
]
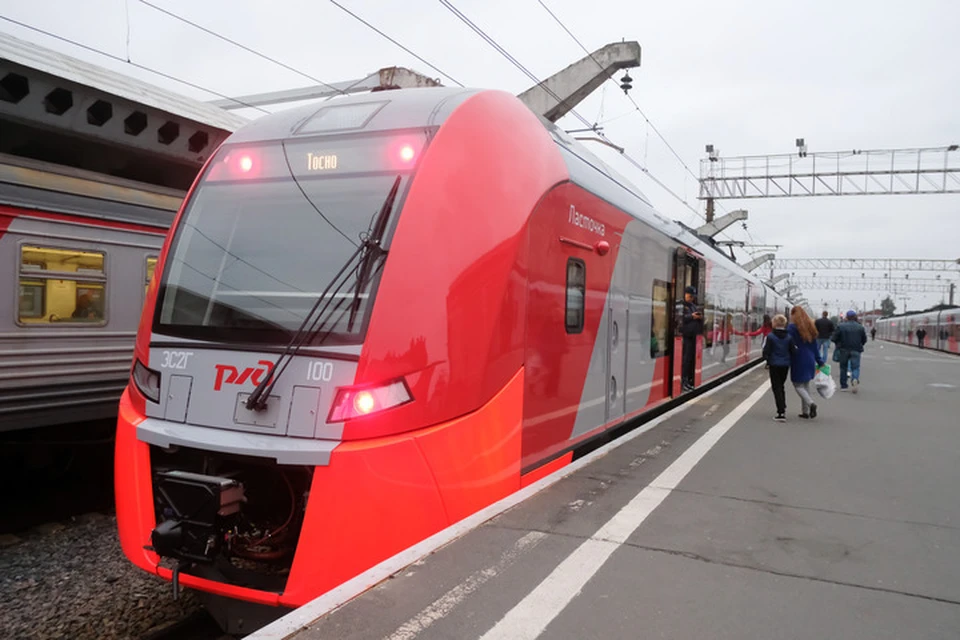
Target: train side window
[
  {"x": 576, "y": 295},
  {"x": 151, "y": 267},
  {"x": 660, "y": 322},
  {"x": 61, "y": 285}
]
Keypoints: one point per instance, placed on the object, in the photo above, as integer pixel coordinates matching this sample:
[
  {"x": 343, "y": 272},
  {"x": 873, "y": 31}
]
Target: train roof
[
  {"x": 371, "y": 112},
  {"x": 419, "y": 107}
]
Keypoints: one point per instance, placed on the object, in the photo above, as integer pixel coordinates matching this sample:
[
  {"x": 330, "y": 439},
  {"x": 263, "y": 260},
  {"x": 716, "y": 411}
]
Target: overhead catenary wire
[
  {"x": 506, "y": 54},
  {"x": 239, "y": 45},
  {"x": 424, "y": 61},
  {"x": 493, "y": 43},
  {"x": 130, "y": 62},
  {"x": 646, "y": 119}
]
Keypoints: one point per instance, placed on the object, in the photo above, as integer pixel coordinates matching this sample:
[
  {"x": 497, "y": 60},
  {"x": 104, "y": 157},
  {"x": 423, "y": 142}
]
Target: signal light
[
  {"x": 352, "y": 402},
  {"x": 245, "y": 163},
  {"x": 406, "y": 153}
]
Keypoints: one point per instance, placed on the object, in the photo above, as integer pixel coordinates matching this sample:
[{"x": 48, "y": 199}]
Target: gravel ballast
[{"x": 73, "y": 581}]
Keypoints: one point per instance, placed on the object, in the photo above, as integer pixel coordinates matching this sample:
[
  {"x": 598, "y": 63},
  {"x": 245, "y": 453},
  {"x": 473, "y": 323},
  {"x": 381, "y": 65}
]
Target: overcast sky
[{"x": 747, "y": 76}]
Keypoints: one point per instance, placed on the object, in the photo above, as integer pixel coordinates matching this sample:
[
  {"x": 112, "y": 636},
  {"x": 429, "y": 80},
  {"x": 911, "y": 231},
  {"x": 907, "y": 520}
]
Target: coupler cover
[{"x": 198, "y": 512}]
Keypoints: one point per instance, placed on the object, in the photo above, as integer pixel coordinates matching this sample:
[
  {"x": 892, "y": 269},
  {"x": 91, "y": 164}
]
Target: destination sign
[{"x": 321, "y": 161}]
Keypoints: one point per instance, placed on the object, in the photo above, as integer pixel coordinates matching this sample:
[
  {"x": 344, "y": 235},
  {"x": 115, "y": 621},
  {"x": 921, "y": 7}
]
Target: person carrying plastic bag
[{"x": 825, "y": 385}]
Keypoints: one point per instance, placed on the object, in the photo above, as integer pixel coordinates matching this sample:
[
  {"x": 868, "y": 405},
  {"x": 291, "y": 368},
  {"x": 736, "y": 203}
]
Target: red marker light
[
  {"x": 246, "y": 163},
  {"x": 406, "y": 153}
]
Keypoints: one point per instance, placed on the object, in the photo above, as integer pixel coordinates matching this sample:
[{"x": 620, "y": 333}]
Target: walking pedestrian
[
  {"x": 921, "y": 334},
  {"x": 691, "y": 327},
  {"x": 804, "y": 360},
  {"x": 873, "y": 333},
  {"x": 824, "y": 330},
  {"x": 776, "y": 351},
  {"x": 850, "y": 337}
]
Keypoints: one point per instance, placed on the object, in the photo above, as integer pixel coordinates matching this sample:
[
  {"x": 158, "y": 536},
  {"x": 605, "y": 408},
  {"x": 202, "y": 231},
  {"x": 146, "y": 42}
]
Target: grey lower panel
[{"x": 282, "y": 449}]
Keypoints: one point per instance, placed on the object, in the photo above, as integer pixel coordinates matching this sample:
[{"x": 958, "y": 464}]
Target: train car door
[
  {"x": 618, "y": 316},
  {"x": 688, "y": 271}
]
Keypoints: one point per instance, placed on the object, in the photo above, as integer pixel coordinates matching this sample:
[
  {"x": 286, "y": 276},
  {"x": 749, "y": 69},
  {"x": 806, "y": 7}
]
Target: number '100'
[{"x": 320, "y": 371}]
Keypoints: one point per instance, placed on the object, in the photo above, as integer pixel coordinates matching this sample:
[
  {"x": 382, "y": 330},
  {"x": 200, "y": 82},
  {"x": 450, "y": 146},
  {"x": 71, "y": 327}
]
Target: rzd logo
[{"x": 228, "y": 374}]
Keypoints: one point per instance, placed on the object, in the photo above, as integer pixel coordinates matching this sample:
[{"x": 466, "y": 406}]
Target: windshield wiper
[
  {"x": 373, "y": 250},
  {"x": 319, "y": 315}
]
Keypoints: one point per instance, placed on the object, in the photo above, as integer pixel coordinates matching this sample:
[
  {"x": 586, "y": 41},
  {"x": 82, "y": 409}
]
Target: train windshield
[{"x": 252, "y": 254}]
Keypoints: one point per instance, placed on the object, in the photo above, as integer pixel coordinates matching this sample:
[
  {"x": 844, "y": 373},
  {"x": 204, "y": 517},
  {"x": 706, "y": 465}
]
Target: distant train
[
  {"x": 942, "y": 329},
  {"x": 381, "y": 315},
  {"x": 78, "y": 250}
]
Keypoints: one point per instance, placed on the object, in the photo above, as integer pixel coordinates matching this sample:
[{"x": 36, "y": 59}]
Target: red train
[{"x": 377, "y": 317}]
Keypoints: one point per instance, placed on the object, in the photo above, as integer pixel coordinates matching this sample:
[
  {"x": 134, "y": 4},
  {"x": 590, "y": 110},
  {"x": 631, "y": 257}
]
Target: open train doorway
[{"x": 688, "y": 272}]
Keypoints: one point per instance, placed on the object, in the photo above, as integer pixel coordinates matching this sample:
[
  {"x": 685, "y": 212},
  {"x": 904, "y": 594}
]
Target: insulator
[{"x": 626, "y": 82}]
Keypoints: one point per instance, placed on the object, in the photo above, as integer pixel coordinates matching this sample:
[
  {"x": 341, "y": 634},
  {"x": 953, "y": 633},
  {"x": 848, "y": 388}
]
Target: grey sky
[{"x": 747, "y": 76}]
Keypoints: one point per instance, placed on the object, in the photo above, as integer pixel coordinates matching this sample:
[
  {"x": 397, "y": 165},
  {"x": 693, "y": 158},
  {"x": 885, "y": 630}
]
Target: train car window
[
  {"x": 576, "y": 295},
  {"x": 61, "y": 286},
  {"x": 660, "y": 322},
  {"x": 151, "y": 267}
]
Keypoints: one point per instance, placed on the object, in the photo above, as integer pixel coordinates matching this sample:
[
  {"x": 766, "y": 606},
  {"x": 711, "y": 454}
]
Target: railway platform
[{"x": 711, "y": 522}]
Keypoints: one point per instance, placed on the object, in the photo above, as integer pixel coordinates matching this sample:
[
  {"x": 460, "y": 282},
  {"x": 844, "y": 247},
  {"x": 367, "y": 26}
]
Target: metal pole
[{"x": 709, "y": 210}]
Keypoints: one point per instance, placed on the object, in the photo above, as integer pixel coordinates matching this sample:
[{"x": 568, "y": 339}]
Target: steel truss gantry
[
  {"x": 857, "y": 172},
  {"x": 866, "y": 264},
  {"x": 891, "y": 285}
]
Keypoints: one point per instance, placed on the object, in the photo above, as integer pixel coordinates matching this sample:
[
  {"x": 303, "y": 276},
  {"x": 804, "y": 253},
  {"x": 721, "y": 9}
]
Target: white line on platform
[
  {"x": 530, "y": 617},
  {"x": 446, "y": 603},
  {"x": 299, "y": 619}
]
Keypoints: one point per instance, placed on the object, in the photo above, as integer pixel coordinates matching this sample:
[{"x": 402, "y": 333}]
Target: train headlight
[
  {"x": 354, "y": 402},
  {"x": 147, "y": 381}
]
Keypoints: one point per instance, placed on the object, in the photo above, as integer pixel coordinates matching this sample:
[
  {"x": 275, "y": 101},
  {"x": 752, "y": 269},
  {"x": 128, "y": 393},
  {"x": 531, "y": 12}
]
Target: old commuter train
[
  {"x": 378, "y": 316},
  {"x": 78, "y": 249}
]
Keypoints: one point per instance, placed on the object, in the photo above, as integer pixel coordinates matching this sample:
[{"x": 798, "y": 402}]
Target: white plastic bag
[{"x": 825, "y": 384}]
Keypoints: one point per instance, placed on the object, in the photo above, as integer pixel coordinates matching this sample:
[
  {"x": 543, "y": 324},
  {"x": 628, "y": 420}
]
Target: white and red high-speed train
[
  {"x": 942, "y": 328},
  {"x": 378, "y": 316}
]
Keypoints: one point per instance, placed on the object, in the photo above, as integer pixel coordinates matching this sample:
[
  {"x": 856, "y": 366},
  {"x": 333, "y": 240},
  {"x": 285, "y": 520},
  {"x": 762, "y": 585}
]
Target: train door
[
  {"x": 618, "y": 317},
  {"x": 688, "y": 271}
]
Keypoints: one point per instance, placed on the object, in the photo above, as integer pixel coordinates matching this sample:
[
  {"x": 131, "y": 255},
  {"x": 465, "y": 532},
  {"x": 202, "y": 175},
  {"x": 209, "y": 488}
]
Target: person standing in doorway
[
  {"x": 921, "y": 334},
  {"x": 804, "y": 360},
  {"x": 850, "y": 337},
  {"x": 825, "y": 329},
  {"x": 776, "y": 351},
  {"x": 691, "y": 326}
]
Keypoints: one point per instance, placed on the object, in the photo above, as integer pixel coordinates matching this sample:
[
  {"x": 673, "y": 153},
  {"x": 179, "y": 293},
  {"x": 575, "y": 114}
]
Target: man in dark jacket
[
  {"x": 921, "y": 334},
  {"x": 776, "y": 351},
  {"x": 691, "y": 326},
  {"x": 824, "y": 331},
  {"x": 850, "y": 337}
]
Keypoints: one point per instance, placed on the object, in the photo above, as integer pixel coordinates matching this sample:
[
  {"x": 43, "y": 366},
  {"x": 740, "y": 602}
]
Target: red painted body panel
[
  {"x": 375, "y": 498},
  {"x": 449, "y": 308},
  {"x": 545, "y": 470},
  {"x": 557, "y": 362},
  {"x": 133, "y": 490}
]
